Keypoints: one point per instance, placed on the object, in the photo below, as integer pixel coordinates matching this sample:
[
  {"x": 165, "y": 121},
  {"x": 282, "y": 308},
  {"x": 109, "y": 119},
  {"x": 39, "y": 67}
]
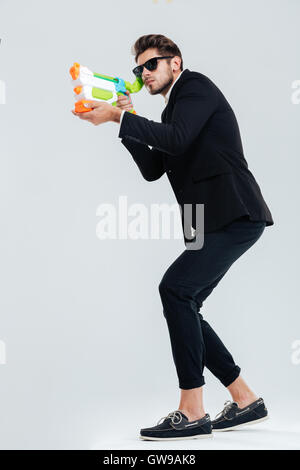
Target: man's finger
[
  {"x": 78, "y": 114},
  {"x": 85, "y": 116},
  {"x": 123, "y": 98},
  {"x": 93, "y": 104}
]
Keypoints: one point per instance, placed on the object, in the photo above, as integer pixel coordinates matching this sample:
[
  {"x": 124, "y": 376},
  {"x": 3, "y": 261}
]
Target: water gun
[{"x": 94, "y": 86}]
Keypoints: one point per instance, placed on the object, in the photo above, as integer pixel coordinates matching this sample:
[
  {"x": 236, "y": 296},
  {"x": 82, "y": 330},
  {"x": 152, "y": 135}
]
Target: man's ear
[{"x": 177, "y": 61}]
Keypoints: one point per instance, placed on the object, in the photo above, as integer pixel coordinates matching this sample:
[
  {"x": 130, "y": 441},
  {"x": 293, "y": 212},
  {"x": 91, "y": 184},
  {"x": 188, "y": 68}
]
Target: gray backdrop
[{"x": 81, "y": 320}]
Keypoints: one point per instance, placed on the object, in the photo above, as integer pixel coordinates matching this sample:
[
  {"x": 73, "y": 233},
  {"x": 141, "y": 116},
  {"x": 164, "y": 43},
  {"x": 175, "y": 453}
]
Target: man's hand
[
  {"x": 101, "y": 112},
  {"x": 124, "y": 102}
]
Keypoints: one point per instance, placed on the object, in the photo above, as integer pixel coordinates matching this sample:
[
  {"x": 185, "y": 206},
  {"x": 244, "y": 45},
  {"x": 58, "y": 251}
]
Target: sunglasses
[{"x": 150, "y": 65}]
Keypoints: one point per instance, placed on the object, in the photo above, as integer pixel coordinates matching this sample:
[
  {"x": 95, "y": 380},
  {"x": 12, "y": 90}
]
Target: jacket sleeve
[
  {"x": 149, "y": 161},
  {"x": 195, "y": 102}
]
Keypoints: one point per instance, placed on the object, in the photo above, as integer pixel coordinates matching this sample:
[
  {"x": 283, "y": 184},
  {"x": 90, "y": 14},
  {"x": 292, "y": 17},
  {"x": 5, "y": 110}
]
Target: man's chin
[
  {"x": 154, "y": 91},
  {"x": 150, "y": 87},
  {"x": 158, "y": 89}
]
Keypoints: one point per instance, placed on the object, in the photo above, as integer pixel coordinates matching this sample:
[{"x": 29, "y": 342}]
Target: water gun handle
[
  {"x": 124, "y": 93},
  {"x": 121, "y": 88}
]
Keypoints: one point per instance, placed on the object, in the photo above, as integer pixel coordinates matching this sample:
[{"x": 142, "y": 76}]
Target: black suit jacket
[{"x": 198, "y": 146}]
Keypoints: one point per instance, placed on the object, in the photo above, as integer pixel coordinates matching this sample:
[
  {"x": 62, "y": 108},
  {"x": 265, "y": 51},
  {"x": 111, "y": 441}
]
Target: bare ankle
[
  {"x": 241, "y": 393},
  {"x": 191, "y": 403},
  {"x": 245, "y": 400},
  {"x": 192, "y": 415}
]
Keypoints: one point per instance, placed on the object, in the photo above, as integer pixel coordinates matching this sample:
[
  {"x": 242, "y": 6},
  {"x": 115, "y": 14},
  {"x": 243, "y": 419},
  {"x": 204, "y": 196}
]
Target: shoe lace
[
  {"x": 173, "y": 415},
  {"x": 227, "y": 405}
]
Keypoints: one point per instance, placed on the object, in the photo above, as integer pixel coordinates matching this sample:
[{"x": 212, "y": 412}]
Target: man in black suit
[{"x": 198, "y": 146}]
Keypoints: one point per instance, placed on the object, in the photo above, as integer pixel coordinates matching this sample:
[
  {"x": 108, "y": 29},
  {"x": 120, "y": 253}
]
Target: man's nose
[{"x": 146, "y": 76}]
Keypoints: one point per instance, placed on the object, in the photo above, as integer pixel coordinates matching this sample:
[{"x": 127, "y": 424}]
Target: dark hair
[{"x": 164, "y": 45}]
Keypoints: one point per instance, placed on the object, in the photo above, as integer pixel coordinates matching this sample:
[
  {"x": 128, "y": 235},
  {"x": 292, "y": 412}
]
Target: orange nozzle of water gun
[
  {"x": 74, "y": 70},
  {"x": 78, "y": 90},
  {"x": 80, "y": 108}
]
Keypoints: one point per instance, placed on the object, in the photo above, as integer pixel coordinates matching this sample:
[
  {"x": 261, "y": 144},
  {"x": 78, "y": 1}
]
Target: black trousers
[{"x": 184, "y": 287}]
